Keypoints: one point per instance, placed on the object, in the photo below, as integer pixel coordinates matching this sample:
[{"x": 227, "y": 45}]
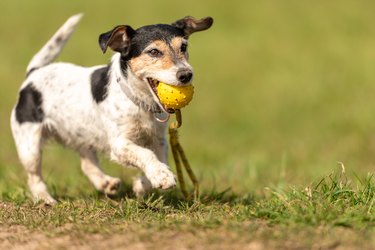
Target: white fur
[
  {"x": 116, "y": 126},
  {"x": 53, "y": 47}
]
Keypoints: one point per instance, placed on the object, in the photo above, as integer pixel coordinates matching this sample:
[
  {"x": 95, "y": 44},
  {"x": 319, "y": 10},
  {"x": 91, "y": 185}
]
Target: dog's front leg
[
  {"x": 128, "y": 153},
  {"x": 141, "y": 185}
]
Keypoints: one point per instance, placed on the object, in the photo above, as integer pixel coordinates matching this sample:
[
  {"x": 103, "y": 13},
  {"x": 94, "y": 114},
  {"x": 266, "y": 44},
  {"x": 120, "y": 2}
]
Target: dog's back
[
  {"x": 70, "y": 113},
  {"x": 59, "y": 96}
]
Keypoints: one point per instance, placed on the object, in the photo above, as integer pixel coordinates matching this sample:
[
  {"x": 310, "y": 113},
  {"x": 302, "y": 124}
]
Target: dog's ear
[
  {"x": 189, "y": 24},
  {"x": 117, "y": 39}
]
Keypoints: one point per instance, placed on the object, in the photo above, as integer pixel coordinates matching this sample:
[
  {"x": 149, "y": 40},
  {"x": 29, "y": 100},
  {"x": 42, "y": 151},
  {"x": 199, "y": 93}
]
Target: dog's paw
[
  {"x": 46, "y": 199},
  {"x": 141, "y": 185},
  {"x": 161, "y": 177},
  {"x": 50, "y": 202},
  {"x": 110, "y": 185},
  {"x": 40, "y": 193}
]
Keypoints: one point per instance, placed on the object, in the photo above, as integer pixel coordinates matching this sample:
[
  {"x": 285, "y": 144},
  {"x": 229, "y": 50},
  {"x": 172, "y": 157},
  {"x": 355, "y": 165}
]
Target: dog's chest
[{"x": 142, "y": 131}]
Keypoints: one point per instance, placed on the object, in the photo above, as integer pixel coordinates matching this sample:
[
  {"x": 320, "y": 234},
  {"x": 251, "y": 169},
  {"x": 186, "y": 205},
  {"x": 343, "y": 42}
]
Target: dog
[{"x": 111, "y": 109}]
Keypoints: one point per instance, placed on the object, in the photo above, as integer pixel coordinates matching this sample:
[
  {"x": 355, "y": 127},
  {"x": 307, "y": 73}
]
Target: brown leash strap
[{"x": 179, "y": 155}]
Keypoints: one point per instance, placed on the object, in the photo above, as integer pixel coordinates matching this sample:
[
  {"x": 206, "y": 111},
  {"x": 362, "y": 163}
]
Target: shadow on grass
[
  {"x": 172, "y": 198},
  {"x": 175, "y": 197}
]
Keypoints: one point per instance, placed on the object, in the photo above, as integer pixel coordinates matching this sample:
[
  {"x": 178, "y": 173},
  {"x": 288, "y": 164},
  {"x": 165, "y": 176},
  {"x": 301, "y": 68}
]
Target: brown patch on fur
[
  {"x": 176, "y": 44},
  {"x": 171, "y": 54}
]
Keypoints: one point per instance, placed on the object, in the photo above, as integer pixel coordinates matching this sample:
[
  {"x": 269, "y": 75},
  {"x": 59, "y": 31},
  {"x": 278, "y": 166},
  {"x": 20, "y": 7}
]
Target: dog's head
[{"x": 155, "y": 53}]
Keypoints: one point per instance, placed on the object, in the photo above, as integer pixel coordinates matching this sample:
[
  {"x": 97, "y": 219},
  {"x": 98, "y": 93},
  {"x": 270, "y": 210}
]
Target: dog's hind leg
[
  {"x": 102, "y": 182},
  {"x": 28, "y": 138}
]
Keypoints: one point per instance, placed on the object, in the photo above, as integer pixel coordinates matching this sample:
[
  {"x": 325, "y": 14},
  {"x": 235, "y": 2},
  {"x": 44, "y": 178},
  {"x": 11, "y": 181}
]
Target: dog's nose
[{"x": 184, "y": 75}]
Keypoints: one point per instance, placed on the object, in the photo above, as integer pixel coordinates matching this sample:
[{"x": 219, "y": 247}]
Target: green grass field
[{"x": 284, "y": 97}]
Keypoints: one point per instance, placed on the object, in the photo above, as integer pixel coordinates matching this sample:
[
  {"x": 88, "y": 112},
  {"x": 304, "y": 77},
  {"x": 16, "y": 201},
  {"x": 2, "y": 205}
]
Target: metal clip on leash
[{"x": 179, "y": 155}]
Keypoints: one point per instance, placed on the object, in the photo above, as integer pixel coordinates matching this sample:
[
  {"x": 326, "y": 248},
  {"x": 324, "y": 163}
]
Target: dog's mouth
[{"x": 153, "y": 84}]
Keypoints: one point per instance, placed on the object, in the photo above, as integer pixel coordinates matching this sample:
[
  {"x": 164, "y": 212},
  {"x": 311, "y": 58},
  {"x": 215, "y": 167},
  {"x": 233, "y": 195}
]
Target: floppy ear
[
  {"x": 190, "y": 25},
  {"x": 117, "y": 39}
]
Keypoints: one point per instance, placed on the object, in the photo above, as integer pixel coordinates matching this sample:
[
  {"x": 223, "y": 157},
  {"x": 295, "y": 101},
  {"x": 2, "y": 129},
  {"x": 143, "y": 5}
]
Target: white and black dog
[{"x": 108, "y": 108}]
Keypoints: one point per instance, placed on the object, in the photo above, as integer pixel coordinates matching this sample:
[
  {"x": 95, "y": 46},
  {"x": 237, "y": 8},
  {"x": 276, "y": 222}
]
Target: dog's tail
[{"x": 52, "y": 49}]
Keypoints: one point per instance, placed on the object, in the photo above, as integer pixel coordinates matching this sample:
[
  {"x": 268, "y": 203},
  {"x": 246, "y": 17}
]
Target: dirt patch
[
  {"x": 19, "y": 237},
  {"x": 53, "y": 229}
]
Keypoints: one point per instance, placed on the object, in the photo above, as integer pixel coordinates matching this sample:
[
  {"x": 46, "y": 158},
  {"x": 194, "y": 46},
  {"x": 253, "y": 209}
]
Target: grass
[
  {"x": 333, "y": 204},
  {"x": 284, "y": 91},
  {"x": 332, "y": 201}
]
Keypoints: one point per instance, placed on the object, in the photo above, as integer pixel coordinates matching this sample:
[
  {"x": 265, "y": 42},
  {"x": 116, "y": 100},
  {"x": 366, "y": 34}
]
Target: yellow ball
[{"x": 175, "y": 97}]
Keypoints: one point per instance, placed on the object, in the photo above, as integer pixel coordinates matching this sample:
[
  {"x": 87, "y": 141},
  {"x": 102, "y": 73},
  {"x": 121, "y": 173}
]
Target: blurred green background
[{"x": 284, "y": 89}]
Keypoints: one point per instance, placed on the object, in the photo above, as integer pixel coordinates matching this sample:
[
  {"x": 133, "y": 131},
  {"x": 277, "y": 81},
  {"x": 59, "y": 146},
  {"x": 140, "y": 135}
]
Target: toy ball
[{"x": 175, "y": 97}]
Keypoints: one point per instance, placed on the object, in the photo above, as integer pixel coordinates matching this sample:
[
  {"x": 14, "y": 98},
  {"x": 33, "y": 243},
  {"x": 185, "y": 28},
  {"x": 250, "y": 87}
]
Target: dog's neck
[{"x": 135, "y": 89}]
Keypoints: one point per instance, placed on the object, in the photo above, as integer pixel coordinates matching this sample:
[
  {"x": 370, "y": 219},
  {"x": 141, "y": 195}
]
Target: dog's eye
[
  {"x": 183, "y": 47},
  {"x": 155, "y": 53}
]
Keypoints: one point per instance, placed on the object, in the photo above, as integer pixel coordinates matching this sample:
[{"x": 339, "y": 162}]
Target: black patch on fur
[
  {"x": 28, "y": 73},
  {"x": 124, "y": 66},
  {"x": 29, "y": 106},
  {"x": 147, "y": 34},
  {"x": 59, "y": 39},
  {"x": 99, "y": 84}
]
